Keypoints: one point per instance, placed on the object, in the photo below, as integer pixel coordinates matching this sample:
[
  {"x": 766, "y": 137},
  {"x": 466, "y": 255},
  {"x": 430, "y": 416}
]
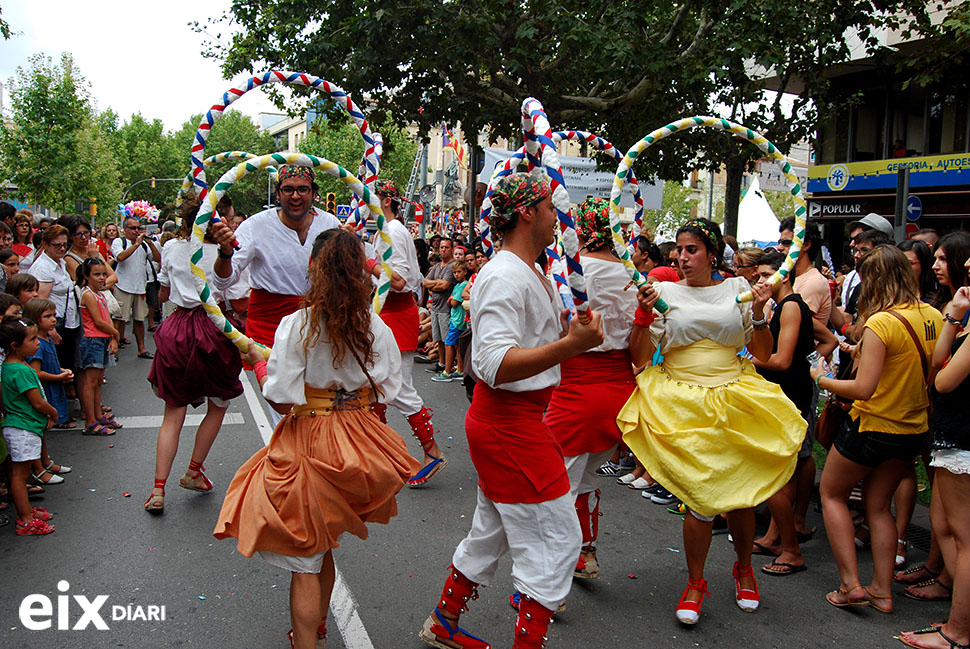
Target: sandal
[
  {"x": 61, "y": 469},
  {"x": 147, "y": 355},
  {"x": 436, "y": 628},
  {"x": 689, "y": 612},
  {"x": 97, "y": 430},
  {"x": 928, "y": 631},
  {"x": 41, "y": 513},
  {"x": 902, "y": 578},
  {"x": 35, "y": 527},
  {"x": 106, "y": 409},
  {"x": 109, "y": 422},
  {"x": 873, "y": 598},
  {"x": 156, "y": 502},
  {"x": 37, "y": 478},
  {"x": 901, "y": 558},
  {"x": 427, "y": 472},
  {"x": 321, "y": 636},
  {"x": 912, "y": 593},
  {"x": 188, "y": 480},
  {"x": 34, "y": 490},
  {"x": 843, "y": 590}
]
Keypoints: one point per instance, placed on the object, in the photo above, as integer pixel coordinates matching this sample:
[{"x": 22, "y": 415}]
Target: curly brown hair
[{"x": 339, "y": 299}]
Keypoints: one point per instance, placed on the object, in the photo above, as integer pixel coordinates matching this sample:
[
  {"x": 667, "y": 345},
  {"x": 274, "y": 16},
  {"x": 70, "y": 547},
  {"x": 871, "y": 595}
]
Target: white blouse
[
  {"x": 404, "y": 257},
  {"x": 512, "y": 307},
  {"x": 291, "y": 368},
  {"x": 604, "y": 287},
  {"x": 699, "y": 312},
  {"x": 66, "y": 302},
  {"x": 277, "y": 260},
  {"x": 175, "y": 273}
]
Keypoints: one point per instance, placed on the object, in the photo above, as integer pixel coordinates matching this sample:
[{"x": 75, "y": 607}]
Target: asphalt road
[{"x": 106, "y": 545}]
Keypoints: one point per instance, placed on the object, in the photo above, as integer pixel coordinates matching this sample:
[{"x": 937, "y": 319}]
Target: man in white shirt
[
  {"x": 275, "y": 246},
  {"x": 132, "y": 252},
  {"x": 523, "y": 488},
  {"x": 400, "y": 313}
]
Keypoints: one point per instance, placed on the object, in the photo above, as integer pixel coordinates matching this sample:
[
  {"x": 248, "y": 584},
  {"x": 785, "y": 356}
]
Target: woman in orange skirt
[{"x": 331, "y": 465}]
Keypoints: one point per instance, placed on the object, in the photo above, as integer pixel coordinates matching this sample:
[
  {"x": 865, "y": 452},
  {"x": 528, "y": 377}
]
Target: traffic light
[
  {"x": 331, "y": 202},
  {"x": 153, "y": 182},
  {"x": 93, "y": 208}
]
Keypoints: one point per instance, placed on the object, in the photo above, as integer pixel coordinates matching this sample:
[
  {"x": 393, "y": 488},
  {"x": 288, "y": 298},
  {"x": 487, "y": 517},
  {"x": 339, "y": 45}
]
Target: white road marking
[
  {"x": 154, "y": 421},
  {"x": 343, "y": 606}
]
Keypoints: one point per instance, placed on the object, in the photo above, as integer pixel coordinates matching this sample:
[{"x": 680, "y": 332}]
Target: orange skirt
[{"x": 321, "y": 475}]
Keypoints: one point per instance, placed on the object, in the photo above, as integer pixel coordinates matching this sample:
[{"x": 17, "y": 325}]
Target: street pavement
[{"x": 106, "y": 545}]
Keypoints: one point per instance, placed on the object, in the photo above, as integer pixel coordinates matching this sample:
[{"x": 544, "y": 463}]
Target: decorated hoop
[
  {"x": 225, "y": 156},
  {"x": 370, "y": 176},
  {"x": 743, "y": 132},
  {"x": 504, "y": 169},
  {"x": 371, "y": 161},
  {"x": 207, "y": 209},
  {"x": 538, "y": 137}
]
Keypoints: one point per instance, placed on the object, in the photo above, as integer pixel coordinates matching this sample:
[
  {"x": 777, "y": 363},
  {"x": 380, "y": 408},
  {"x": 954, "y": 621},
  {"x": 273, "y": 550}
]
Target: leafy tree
[
  {"x": 49, "y": 106},
  {"x": 94, "y": 171},
  {"x": 233, "y": 132},
  {"x": 675, "y": 209},
  {"x": 146, "y": 151},
  {"x": 4, "y": 27},
  {"x": 341, "y": 143}
]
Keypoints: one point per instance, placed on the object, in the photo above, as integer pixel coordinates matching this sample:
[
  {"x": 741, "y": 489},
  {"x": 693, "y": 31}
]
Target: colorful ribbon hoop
[
  {"x": 370, "y": 162},
  {"x": 743, "y": 132},
  {"x": 225, "y": 156},
  {"x": 207, "y": 209},
  {"x": 538, "y": 138}
]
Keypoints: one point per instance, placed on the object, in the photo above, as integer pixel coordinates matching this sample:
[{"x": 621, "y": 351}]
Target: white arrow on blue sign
[
  {"x": 914, "y": 208},
  {"x": 343, "y": 211}
]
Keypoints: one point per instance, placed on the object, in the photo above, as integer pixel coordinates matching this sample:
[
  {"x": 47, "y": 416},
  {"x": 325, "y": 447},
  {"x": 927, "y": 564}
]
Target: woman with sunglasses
[{"x": 83, "y": 246}]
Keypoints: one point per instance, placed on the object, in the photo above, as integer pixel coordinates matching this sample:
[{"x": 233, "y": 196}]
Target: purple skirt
[{"x": 194, "y": 360}]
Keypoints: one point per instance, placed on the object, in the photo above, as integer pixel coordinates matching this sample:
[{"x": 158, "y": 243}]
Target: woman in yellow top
[
  {"x": 887, "y": 424},
  {"x": 704, "y": 423}
]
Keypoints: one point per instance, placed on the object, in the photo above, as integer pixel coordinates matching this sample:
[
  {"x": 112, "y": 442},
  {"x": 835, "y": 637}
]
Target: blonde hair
[
  {"x": 750, "y": 256},
  {"x": 887, "y": 281}
]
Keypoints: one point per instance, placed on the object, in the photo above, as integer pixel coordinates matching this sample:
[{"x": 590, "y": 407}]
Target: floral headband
[
  {"x": 706, "y": 229},
  {"x": 515, "y": 193},
  {"x": 593, "y": 222},
  {"x": 386, "y": 189},
  {"x": 295, "y": 171}
]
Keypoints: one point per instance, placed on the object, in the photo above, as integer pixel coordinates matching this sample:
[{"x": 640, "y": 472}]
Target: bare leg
[
  {"x": 697, "y": 543},
  {"x": 783, "y": 518},
  {"x": 449, "y": 358},
  {"x": 168, "y": 442},
  {"x": 120, "y": 326},
  {"x": 804, "y": 485},
  {"x": 741, "y": 524},
  {"x": 138, "y": 328},
  {"x": 304, "y": 609},
  {"x": 91, "y": 409},
  {"x": 877, "y": 492},
  {"x": 905, "y": 499},
  {"x": 18, "y": 489},
  {"x": 839, "y": 477},
  {"x": 205, "y": 437}
]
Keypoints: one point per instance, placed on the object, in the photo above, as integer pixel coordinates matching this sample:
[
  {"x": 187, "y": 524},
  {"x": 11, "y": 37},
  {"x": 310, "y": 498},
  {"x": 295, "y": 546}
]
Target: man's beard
[{"x": 296, "y": 217}]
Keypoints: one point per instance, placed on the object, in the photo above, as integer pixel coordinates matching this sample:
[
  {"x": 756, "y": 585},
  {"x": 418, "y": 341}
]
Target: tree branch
[{"x": 675, "y": 25}]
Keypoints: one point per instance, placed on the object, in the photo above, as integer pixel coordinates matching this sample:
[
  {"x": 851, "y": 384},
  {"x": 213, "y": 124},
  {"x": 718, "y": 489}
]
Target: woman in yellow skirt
[
  {"x": 703, "y": 422},
  {"x": 331, "y": 465}
]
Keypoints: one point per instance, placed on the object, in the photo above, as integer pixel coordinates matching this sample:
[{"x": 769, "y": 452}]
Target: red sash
[
  {"x": 265, "y": 312},
  {"x": 400, "y": 313},
  {"x": 516, "y": 455},
  {"x": 583, "y": 409}
]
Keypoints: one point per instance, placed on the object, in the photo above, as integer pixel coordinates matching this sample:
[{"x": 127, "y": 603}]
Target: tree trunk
[{"x": 732, "y": 195}]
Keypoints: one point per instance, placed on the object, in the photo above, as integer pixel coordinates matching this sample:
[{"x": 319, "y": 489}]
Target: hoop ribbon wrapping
[
  {"x": 207, "y": 209},
  {"x": 214, "y": 159},
  {"x": 743, "y": 132}
]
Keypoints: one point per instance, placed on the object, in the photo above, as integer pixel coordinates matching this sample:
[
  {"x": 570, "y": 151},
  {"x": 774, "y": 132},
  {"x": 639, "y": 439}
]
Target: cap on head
[
  {"x": 386, "y": 188},
  {"x": 874, "y": 222}
]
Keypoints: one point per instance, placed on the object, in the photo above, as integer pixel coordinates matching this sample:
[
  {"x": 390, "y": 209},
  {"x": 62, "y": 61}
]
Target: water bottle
[{"x": 814, "y": 359}]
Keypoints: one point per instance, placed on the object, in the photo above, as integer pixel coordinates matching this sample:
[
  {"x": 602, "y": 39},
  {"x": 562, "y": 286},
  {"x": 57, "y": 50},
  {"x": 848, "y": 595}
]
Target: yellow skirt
[{"x": 710, "y": 429}]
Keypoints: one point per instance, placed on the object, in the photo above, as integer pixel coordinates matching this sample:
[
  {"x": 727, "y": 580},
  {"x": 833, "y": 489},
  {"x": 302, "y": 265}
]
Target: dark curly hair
[
  {"x": 709, "y": 233},
  {"x": 339, "y": 299}
]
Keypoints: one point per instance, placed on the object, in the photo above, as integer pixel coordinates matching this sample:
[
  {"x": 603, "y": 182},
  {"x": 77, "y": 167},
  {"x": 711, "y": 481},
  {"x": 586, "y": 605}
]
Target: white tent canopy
[{"x": 756, "y": 221}]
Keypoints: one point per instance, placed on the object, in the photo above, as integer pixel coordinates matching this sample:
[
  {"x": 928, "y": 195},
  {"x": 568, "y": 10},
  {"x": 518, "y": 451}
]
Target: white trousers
[
  {"x": 407, "y": 401},
  {"x": 544, "y": 540},
  {"x": 582, "y": 472}
]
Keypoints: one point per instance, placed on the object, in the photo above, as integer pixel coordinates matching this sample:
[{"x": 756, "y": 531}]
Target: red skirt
[
  {"x": 516, "y": 455},
  {"x": 265, "y": 312},
  {"x": 193, "y": 360},
  {"x": 400, "y": 313},
  {"x": 583, "y": 409}
]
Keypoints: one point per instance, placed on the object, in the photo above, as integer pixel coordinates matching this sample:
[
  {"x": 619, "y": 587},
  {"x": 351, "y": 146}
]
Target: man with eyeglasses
[
  {"x": 132, "y": 250},
  {"x": 275, "y": 246}
]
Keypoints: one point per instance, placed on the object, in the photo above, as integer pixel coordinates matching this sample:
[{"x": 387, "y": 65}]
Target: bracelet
[
  {"x": 643, "y": 319},
  {"x": 260, "y": 369},
  {"x": 760, "y": 324},
  {"x": 370, "y": 265},
  {"x": 223, "y": 255},
  {"x": 953, "y": 321},
  {"x": 818, "y": 380}
]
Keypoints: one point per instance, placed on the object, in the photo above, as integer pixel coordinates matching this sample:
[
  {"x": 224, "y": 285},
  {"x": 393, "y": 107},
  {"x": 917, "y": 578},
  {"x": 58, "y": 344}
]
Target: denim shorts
[
  {"x": 870, "y": 448},
  {"x": 93, "y": 353}
]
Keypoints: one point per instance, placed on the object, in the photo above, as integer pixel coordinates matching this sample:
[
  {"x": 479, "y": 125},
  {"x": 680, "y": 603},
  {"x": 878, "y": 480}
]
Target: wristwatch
[{"x": 223, "y": 255}]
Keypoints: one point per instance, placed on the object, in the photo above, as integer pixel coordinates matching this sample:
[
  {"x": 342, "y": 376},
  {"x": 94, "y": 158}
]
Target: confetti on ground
[
  {"x": 632, "y": 576},
  {"x": 111, "y": 445},
  {"x": 201, "y": 597},
  {"x": 673, "y": 550},
  {"x": 92, "y": 490},
  {"x": 126, "y": 495},
  {"x": 411, "y": 575}
]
